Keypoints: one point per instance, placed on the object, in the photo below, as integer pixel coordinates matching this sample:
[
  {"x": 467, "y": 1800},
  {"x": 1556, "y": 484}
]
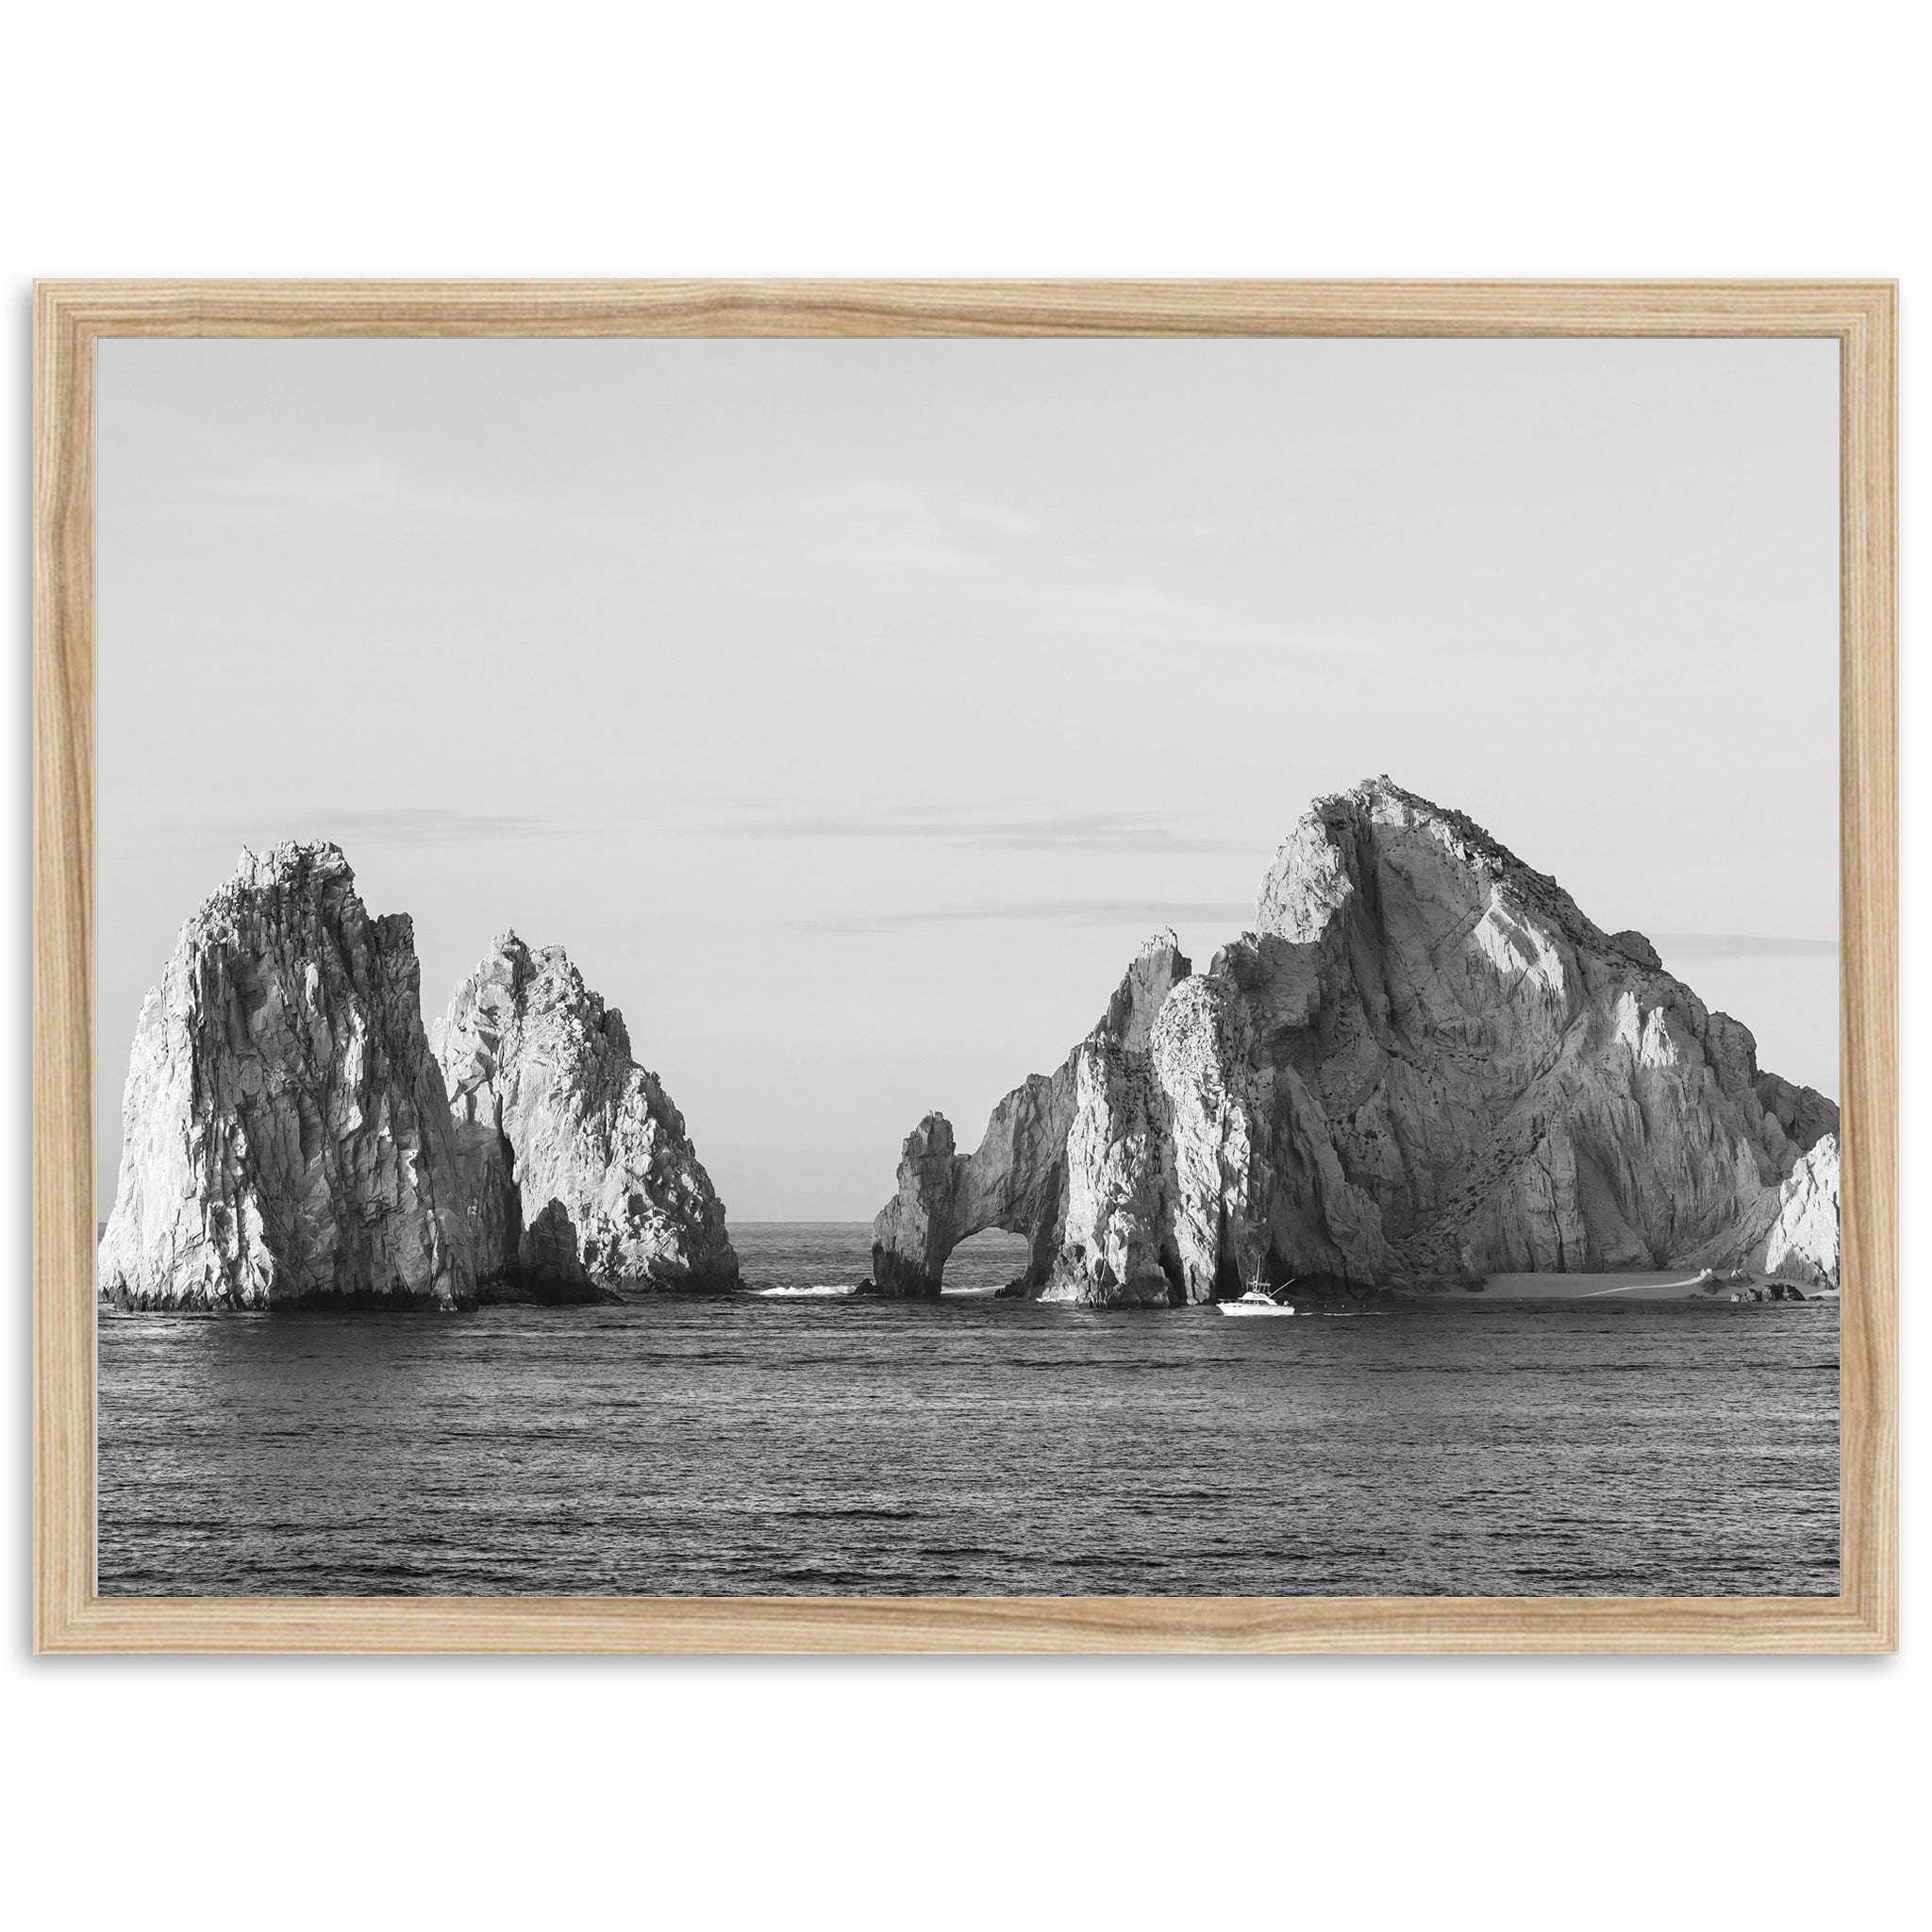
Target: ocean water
[{"x": 802, "y": 1443}]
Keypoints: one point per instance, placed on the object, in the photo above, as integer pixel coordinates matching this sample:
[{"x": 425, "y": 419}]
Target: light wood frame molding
[{"x": 71, "y": 317}]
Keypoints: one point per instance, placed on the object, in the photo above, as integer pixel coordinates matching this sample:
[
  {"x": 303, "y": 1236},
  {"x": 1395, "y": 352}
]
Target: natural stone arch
[
  {"x": 1016, "y": 1178},
  {"x": 1427, "y": 1064},
  {"x": 947, "y": 1197}
]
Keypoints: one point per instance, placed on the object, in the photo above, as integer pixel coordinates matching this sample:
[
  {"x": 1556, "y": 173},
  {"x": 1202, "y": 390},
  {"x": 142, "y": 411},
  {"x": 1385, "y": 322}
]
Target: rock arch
[
  {"x": 1018, "y": 1178},
  {"x": 1427, "y": 1062}
]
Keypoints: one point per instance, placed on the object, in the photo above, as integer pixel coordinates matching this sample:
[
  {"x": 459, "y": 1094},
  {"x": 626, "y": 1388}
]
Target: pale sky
[{"x": 850, "y": 710}]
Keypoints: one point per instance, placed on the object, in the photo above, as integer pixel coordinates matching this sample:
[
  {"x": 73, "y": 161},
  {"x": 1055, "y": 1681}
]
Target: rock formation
[
  {"x": 574, "y": 1154},
  {"x": 1803, "y": 1245},
  {"x": 1064, "y": 1160},
  {"x": 286, "y": 1135},
  {"x": 1426, "y": 1062}
]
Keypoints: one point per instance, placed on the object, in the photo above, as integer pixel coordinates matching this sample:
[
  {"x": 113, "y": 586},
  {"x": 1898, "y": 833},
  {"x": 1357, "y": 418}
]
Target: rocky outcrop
[
  {"x": 549, "y": 1258},
  {"x": 1020, "y": 1176},
  {"x": 1425, "y": 1062},
  {"x": 1803, "y": 1244},
  {"x": 286, "y": 1137},
  {"x": 574, "y": 1154}
]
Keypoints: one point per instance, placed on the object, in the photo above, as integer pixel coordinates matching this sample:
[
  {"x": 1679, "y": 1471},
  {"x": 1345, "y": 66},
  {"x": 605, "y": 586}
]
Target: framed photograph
[{"x": 960, "y": 966}]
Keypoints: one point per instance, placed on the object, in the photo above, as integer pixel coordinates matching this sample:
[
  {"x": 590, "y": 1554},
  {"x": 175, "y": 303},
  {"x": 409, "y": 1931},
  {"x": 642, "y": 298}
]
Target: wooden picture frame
[{"x": 72, "y": 317}]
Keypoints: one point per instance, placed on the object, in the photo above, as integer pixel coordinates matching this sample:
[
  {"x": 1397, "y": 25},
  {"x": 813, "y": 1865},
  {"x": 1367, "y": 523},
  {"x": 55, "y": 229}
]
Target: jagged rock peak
[
  {"x": 291, "y": 863},
  {"x": 545, "y": 977},
  {"x": 285, "y": 1137},
  {"x": 1426, "y": 1062},
  {"x": 1157, "y": 969},
  {"x": 1318, "y": 869},
  {"x": 556, "y": 1124}
]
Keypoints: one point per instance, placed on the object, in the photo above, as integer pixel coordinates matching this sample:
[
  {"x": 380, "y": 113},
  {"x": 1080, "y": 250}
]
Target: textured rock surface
[
  {"x": 557, "y": 1130},
  {"x": 549, "y": 1255},
  {"x": 1019, "y": 1177},
  {"x": 286, "y": 1135},
  {"x": 1803, "y": 1245},
  {"x": 1425, "y": 1062}
]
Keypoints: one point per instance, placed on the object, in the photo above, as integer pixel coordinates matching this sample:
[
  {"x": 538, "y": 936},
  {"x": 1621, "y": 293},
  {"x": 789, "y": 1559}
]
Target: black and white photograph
[{"x": 967, "y": 967}]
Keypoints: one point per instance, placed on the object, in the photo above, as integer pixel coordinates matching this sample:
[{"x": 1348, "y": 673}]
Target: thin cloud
[
  {"x": 1148, "y": 914},
  {"x": 1238, "y": 914},
  {"x": 436, "y": 825},
  {"x": 1742, "y": 945},
  {"x": 354, "y": 831},
  {"x": 360, "y": 487},
  {"x": 1096, "y": 831},
  {"x": 888, "y": 538}
]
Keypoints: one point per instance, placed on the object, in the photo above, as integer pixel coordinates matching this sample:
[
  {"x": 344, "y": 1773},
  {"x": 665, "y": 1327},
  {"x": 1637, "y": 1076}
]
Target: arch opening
[{"x": 985, "y": 1262}]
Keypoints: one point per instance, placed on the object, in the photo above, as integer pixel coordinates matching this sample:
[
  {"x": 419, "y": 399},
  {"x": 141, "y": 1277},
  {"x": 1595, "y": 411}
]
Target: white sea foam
[{"x": 820, "y": 1288}]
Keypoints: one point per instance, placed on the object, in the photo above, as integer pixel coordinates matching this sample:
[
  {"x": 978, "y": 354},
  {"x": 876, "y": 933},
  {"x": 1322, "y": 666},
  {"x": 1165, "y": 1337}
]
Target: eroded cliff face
[
  {"x": 1803, "y": 1244},
  {"x": 285, "y": 1134},
  {"x": 1054, "y": 1137},
  {"x": 1425, "y": 1061},
  {"x": 574, "y": 1154}
]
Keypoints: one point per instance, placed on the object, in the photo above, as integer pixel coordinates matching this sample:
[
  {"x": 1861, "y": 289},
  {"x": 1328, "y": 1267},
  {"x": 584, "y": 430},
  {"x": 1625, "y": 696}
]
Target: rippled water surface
[{"x": 799, "y": 1444}]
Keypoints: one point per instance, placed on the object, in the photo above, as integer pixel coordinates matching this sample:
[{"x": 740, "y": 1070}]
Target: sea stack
[
  {"x": 565, "y": 1143},
  {"x": 1051, "y": 1143},
  {"x": 286, "y": 1137},
  {"x": 1425, "y": 1062}
]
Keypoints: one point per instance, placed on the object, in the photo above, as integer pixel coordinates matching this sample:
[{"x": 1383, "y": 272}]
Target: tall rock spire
[
  {"x": 284, "y": 1134},
  {"x": 565, "y": 1139}
]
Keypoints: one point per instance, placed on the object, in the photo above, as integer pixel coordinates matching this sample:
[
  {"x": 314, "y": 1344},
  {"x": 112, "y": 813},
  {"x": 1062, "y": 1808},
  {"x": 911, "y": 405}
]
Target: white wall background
[{"x": 1685, "y": 139}]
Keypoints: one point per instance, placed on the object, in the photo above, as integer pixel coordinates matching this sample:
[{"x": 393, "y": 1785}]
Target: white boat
[
  {"x": 1257, "y": 1301},
  {"x": 1256, "y": 1305}
]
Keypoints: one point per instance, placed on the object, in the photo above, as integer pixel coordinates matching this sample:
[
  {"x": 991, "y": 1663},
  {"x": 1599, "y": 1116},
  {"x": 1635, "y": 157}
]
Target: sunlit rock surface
[
  {"x": 1803, "y": 1245},
  {"x": 1425, "y": 1061},
  {"x": 565, "y": 1141},
  {"x": 286, "y": 1133}
]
